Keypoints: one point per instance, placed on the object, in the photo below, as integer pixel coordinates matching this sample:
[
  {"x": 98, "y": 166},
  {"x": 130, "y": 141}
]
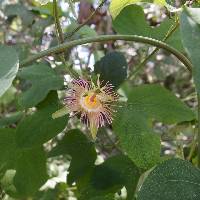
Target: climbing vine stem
[{"x": 103, "y": 38}]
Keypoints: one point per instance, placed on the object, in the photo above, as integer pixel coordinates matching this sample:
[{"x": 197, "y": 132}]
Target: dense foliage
[{"x": 133, "y": 63}]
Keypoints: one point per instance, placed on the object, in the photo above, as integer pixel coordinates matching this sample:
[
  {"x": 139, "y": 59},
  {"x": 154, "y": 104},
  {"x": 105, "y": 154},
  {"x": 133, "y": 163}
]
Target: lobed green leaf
[
  {"x": 40, "y": 127},
  {"x": 112, "y": 67},
  {"x": 173, "y": 179},
  {"x": 190, "y": 32},
  {"x": 43, "y": 79}
]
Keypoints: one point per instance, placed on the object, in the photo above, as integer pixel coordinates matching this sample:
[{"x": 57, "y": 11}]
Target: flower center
[{"x": 91, "y": 101}]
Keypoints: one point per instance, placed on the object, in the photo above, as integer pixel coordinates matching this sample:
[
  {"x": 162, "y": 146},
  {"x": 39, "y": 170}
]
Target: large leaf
[
  {"x": 160, "y": 104},
  {"x": 8, "y": 67},
  {"x": 43, "y": 79},
  {"x": 30, "y": 171},
  {"x": 110, "y": 177},
  {"x": 22, "y": 172},
  {"x": 112, "y": 68},
  {"x": 38, "y": 128},
  {"x": 117, "y": 5},
  {"x": 131, "y": 20},
  {"x": 190, "y": 33},
  {"x": 174, "y": 179},
  {"x": 80, "y": 149},
  {"x": 137, "y": 138},
  {"x": 133, "y": 122},
  {"x": 8, "y": 149}
]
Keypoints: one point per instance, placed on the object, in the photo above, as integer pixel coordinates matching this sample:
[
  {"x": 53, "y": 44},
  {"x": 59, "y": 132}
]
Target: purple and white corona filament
[{"x": 93, "y": 102}]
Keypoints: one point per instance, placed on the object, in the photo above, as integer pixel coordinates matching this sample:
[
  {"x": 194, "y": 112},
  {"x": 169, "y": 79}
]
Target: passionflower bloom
[{"x": 94, "y": 103}]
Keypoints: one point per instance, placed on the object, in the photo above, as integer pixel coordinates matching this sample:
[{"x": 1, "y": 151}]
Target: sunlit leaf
[
  {"x": 8, "y": 67},
  {"x": 190, "y": 33},
  {"x": 132, "y": 21},
  {"x": 117, "y": 5}
]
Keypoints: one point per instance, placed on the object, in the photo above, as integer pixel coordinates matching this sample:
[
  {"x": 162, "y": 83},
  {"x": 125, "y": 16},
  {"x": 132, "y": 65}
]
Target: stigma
[{"x": 90, "y": 103}]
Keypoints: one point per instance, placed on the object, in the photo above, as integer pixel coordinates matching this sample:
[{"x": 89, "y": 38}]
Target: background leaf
[
  {"x": 160, "y": 104},
  {"x": 43, "y": 79},
  {"x": 30, "y": 171},
  {"x": 85, "y": 31},
  {"x": 39, "y": 127},
  {"x": 131, "y": 20},
  {"x": 117, "y": 5},
  {"x": 46, "y": 9},
  {"x": 39, "y": 26},
  {"x": 173, "y": 179},
  {"x": 21, "y": 11},
  {"x": 190, "y": 33},
  {"x": 8, "y": 148},
  {"x": 8, "y": 67},
  {"x": 22, "y": 172},
  {"x": 80, "y": 149},
  {"x": 110, "y": 176},
  {"x": 133, "y": 123},
  {"x": 137, "y": 138},
  {"x": 112, "y": 67},
  {"x": 10, "y": 119}
]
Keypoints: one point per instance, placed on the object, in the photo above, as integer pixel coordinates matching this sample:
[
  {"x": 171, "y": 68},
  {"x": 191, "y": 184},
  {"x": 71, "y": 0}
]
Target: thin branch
[
  {"x": 69, "y": 35},
  {"x": 57, "y": 22},
  {"x": 198, "y": 125},
  {"x": 60, "y": 38},
  {"x": 193, "y": 146},
  {"x": 103, "y": 38}
]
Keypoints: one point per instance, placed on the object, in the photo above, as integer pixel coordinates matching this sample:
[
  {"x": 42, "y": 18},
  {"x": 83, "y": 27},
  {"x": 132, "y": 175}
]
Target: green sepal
[
  {"x": 93, "y": 131},
  {"x": 60, "y": 113}
]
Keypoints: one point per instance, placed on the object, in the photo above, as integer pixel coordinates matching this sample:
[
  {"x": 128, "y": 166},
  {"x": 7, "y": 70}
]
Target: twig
[
  {"x": 57, "y": 22},
  {"x": 88, "y": 60},
  {"x": 198, "y": 125},
  {"x": 69, "y": 35},
  {"x": 60, "y": 37}
]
